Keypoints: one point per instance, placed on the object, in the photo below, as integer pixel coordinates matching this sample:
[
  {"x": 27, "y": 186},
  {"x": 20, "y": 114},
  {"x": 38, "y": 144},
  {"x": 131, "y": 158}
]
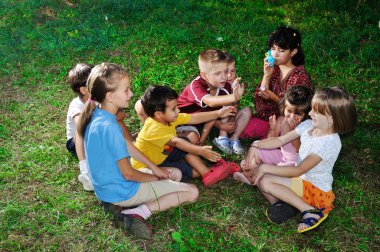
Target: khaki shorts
[
  {"x": 297, "y": 186},
  {"x": 150, "y": 191}
]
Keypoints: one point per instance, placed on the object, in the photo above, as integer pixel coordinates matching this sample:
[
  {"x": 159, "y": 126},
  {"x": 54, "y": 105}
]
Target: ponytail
[{"x": 85, "y": 117}]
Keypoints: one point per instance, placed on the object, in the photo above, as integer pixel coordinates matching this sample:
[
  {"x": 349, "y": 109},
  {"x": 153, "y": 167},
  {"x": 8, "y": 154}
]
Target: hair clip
[{"x": 294, "y": 34}]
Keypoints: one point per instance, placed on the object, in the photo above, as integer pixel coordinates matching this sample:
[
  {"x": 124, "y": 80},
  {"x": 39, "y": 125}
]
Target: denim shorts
[{"x": 70, "y": 145}]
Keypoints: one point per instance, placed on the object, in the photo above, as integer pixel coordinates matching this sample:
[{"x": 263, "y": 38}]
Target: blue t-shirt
[{"x": 105, "y": 145}]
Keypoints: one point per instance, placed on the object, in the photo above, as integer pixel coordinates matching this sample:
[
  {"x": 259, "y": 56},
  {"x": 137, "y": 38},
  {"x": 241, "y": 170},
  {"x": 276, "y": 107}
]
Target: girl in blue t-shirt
[{"x": 113, "y": 178}]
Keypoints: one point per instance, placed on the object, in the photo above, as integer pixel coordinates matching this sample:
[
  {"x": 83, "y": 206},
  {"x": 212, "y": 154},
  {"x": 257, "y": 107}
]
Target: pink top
[{"x": 297, "y": 77}]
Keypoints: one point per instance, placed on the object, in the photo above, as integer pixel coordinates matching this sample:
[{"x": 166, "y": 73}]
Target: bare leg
[
  {"x": 206, "y": 131},
  {"x": 242, "y": 119},
  {"x": 174, "y": 199},
  {"x": 197, "y": 164},
  {"x": 191, "y": 135}
]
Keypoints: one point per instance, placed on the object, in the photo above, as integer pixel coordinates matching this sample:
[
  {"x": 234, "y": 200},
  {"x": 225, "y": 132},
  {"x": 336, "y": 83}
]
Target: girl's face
[
  {"x": 282, "y": 56},
  {"x": 320, "y": 121},
  {"x": 217, "y": 76},
  {"x": 231, "y": 75},
  {"x": 290, "y": 114},
  {"x": 123, "y": 94}
]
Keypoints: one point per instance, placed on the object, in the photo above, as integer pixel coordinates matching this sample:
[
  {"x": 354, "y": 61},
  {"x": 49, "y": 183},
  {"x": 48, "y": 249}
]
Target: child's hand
[
  {"x": 267, "y": 95},
  {"x": 238, "y": 89},
  {"x": 209, "y": 154},
  {"x": 226, "y": 111},
  {"x": 268, "y": 71},
  {"x": 120, "y": 115},
  {"x": 161, "y": 173},
  {"x": 272, "y": 122},
  {"x": 258, "y": 173}
]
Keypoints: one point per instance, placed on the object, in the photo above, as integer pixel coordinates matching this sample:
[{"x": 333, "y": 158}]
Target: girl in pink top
[
  {"x": 294, "y": 106},
  {"x": 288, "y": 70}
]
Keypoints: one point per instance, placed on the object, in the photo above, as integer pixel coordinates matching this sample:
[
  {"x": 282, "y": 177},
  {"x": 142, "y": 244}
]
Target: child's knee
[
  {"x": 247, "y": 111},
  {"x": 194, "y": 193},
  {"x": 176, "y": 174},
  {"x": 193, "y": 137},
  {"x": 265, "y": 184}
]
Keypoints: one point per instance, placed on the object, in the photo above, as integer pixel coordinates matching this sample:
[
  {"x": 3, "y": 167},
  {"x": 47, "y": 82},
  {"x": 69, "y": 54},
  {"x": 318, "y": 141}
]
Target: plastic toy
[{"x": 270, "y": 59}]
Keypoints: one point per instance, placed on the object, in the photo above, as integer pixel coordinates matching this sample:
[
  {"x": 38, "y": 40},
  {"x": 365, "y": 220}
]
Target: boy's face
[
  {"x": 217, "y": 76},
  {"x": 171, "y": 112},
  {"x": 231, "y": 75}
]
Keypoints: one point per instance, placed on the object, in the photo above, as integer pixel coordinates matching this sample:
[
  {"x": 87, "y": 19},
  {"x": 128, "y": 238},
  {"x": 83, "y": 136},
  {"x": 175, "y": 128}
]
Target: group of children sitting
[{"x": 291, "y": 163}]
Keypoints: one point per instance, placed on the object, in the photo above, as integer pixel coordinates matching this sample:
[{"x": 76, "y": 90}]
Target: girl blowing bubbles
[
  {"x": 288, "y": 70},
  {"x": 308, "y": 185},
  {"x": 113, "y": 178}
]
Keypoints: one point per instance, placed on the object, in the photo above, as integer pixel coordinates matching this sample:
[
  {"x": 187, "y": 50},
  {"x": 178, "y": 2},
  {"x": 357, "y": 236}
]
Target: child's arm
[
  {"x": 287, "y": 171},
  {"x": 204, "y": 151},
  {"x": 132, "y": 174},
  {"x": 217, "y": 101},
  {"x": 120, "y": 116},
  {"x": 274, "y": 126},
  {"x": 206, "y": 131},
  {"x": 276, "y": 142},
  {"x": 202, "y": 117},
  {"x": 139, "y": 156}
]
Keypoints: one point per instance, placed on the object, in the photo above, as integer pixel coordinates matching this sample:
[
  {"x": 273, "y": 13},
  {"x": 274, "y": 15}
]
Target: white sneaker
[{"x": 85, "y": 180}]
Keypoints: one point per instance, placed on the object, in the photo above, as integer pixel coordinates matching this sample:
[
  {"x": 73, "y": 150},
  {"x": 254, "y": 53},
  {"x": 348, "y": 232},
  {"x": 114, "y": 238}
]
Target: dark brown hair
[{"x": 78, "y": 77}]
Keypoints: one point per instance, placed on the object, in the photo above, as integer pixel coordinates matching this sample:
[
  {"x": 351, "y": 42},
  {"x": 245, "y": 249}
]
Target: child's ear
[
  {"x": 83, "y": 90},
  {"x": 203, "y": 75},
  {"x": 158, "y": 114},
  {"x": 294, "y": 52},
  {"x": 109, "y": 97}
]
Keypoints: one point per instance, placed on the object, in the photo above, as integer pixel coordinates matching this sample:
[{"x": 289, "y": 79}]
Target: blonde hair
[
  {"x": 103, "y": 78},
  {"x": 208, "y": 58},
  {"x": 340, "y": 105}
]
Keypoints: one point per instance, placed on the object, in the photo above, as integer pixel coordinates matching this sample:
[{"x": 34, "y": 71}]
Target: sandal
[
  {"x": 241, "y": 178},
  {"x": 312, "y": 222},
  {"x": 280, "y": 212},
  {"x": 219, "y": 163},
  {"x": 236, "y": 147},
  {"x": 135, "y": 225},
  {"x": 223, "y": 143},
  {"x": 216, "y": 174}
]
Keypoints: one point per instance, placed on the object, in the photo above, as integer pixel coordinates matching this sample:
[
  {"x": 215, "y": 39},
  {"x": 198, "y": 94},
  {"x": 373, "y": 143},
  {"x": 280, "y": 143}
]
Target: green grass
[{"x": 43, "y": 206}]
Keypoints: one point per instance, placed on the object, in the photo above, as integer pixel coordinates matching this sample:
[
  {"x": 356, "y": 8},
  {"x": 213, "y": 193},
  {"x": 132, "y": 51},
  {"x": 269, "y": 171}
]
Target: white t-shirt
[
  {"x": 75, "y": 108},
  {"x": 326, "y": 147}
]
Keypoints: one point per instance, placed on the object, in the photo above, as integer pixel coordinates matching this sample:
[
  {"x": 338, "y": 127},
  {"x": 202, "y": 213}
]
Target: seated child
[
  {"x": 234, "y": 124},
  {"x": 159, "y": 142},
  {"x": 210, "y": 91},
  {"x": 112, "y": 176},
  {"x": 78, "y": 79},
  {"x": 288, "y": 70},
  {"x": 294, "y": 106},
  {"x": 307, "y": 185}
]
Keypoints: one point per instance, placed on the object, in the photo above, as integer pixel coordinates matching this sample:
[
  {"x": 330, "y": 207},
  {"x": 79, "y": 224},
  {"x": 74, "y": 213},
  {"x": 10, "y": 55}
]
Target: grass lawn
[{"x": 42, "y": 204}]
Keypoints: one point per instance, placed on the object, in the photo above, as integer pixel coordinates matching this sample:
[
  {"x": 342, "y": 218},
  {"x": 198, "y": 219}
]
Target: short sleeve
[
  {"x": 303, "y": 126},
  {"x": 116, "y": 142},
  {"x": 328, "y": 148},
  {"x": 183, "y": 118}
]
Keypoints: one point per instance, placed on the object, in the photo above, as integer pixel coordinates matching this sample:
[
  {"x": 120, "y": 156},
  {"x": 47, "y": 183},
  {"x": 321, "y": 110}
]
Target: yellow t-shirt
[{"x": 153, "y": 137}]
